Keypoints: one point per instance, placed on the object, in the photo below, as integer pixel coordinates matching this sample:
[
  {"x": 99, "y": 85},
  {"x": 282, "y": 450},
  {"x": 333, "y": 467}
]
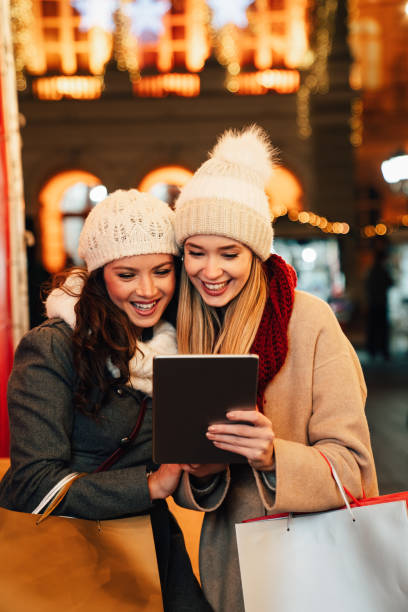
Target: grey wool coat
[
  {"x": 49, "y": 439},
  {"x": 315, "y": 403}
]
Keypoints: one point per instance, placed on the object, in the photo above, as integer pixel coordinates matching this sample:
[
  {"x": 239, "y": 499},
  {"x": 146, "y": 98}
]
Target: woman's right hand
[{"x": 164, "y": 481}]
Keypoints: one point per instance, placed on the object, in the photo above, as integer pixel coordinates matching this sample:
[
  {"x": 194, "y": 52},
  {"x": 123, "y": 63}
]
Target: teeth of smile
[
  {"x": 143, "y": 306},
  {"x": 215, "y": 286}
]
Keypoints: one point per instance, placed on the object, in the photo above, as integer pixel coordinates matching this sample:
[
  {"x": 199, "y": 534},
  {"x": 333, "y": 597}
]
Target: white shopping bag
[{"x": 347, "y": 560}]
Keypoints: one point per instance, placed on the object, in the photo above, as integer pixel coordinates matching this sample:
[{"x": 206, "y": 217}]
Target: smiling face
[
  {"x": 142, "y": 286},
  {"x": 217, "y": 266}
]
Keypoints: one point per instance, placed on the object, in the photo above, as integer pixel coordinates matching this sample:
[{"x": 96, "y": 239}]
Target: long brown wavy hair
[{"x": 102, "y": 332}]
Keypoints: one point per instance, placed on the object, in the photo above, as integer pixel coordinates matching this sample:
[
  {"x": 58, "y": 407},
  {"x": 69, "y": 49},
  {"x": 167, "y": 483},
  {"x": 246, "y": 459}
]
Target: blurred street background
[{"x": 387, "y": 414}]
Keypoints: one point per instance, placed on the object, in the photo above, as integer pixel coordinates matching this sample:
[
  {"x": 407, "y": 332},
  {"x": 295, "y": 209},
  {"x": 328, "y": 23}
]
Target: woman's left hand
[{"x": 253, "y": 440}]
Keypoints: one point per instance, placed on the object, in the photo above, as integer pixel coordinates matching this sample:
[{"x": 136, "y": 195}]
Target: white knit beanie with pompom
[
  {"x": 226, "y": 195},
  {"x": 126, "y": 223}
]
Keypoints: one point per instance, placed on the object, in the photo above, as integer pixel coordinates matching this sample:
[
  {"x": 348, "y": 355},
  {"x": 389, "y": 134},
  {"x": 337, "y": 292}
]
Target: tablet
[{"x": 190, "y": 392}]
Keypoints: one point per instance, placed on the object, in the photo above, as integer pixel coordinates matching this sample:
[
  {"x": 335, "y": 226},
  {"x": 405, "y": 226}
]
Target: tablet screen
[{"x": 190, "y": 392}]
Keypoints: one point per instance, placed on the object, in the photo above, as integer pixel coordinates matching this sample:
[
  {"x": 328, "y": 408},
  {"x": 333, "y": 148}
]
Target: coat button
[{"x": 119, "y": 391}]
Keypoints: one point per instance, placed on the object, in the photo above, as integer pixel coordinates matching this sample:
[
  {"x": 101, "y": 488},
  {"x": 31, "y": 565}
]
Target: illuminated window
[
  {"x": 365, "y": 43},
  {"x": 59, "y": 46},
  {"x": 186, "y": 85},
  {"x": 76, "y": 87},
  {"x": 285, "y": 192},
  {"x": 165, "y": 183},
  {"x": 64, "y": 203}
]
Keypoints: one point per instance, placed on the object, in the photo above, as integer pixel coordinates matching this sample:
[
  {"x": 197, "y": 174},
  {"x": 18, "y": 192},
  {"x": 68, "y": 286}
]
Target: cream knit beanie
[
  {"x": 226, "y": 195},
  {"x": 126, "y": 223}
]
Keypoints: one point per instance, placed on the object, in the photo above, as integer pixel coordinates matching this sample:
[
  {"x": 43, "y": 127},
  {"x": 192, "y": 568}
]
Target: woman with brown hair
[{"x": 83, "y": 379}]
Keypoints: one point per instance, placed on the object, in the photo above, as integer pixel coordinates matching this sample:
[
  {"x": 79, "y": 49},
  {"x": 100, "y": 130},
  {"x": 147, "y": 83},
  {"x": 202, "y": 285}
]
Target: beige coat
[{"x": 315, "y": 402}]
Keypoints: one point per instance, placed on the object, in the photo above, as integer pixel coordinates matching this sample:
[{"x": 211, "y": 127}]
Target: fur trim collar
[
  {"x": 141, "y": 366},
  {"x": 61, "y": 305}
]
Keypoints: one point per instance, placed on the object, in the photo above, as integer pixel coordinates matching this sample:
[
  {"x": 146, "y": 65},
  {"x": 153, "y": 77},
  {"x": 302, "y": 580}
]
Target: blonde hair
[{"x": 199, "y": 329}]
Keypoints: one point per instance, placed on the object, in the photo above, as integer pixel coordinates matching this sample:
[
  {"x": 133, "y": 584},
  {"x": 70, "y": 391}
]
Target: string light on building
[
  {"x": 196, "y": 29},
  {"x": 21, "y": 14},
  {"x": 303, "y": 107},
  {"x": 96, "y": 14},
  {"x": 356, "y": 122},
  {"x": 228, "y": 54},
  {"x": 381, "y": 229},
  {"x": 125, "y": 46},
  {"x": 309, "y": 218},
  {"x": 317, "y": 81},
  {"x": 384, "y": 228},
  {"x": 226, "y": 18}
]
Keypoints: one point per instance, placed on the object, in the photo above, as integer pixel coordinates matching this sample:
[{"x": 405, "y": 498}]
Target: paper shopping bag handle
[
  {"x": 58, "y": 498},
  {"x": 342, "y": 488}
]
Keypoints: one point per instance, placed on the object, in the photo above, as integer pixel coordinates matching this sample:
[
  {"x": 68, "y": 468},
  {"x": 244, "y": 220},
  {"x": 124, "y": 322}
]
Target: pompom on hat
[
  {"x": 126, "y": 223},
  {"x": 226, "y": 195}
]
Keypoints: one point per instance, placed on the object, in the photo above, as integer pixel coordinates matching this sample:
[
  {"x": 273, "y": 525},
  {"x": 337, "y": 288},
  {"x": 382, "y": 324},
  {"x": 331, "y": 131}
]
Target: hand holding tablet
[{"x": 193, "y": 392}]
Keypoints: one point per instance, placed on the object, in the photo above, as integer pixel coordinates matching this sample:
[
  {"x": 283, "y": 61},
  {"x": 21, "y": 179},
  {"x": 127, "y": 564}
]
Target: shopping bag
[
  {"x": 50, "y": 563},
  {"x": 353, "y": 559},
  {"x": 53, "y": 563},
  {"x": 70, "y": 564}
]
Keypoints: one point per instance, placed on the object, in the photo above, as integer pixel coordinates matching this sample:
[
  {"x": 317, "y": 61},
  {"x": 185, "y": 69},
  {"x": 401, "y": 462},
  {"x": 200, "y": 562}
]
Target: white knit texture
[
  {"x": 221, "y": 217},
  {"x": 254, "y": 150},
  {"x": 126, "y": 223},
  {"x": 226, "y": 187},
  {"x": 226, "y": 195}
]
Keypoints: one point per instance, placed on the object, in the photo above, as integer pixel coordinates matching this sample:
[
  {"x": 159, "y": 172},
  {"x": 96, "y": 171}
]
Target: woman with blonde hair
[{"x": 236, "y": 297}]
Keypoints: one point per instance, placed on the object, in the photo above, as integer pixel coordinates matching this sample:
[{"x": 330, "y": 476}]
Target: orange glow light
[
  {"x": 285, "y": 193},
  {"x": 75, "y": 87},
  {"x": 197, "y": 44},
  {"x": 281, "y": 81},
  {"x": 303, "y": 217},
  {"x": 171, "y": 175},
  {"x": 381, "y": 229},
  {"x": 187, "y": 85}
]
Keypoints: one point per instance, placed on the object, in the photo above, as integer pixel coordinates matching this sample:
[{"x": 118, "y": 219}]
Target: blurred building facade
[
  {"x": 132, "y": 93},
  {"x": 379, "y": 44}
]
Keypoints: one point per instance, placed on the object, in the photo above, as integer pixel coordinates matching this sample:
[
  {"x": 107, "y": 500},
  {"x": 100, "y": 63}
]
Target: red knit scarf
[{"x": 271, "y": 341}]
